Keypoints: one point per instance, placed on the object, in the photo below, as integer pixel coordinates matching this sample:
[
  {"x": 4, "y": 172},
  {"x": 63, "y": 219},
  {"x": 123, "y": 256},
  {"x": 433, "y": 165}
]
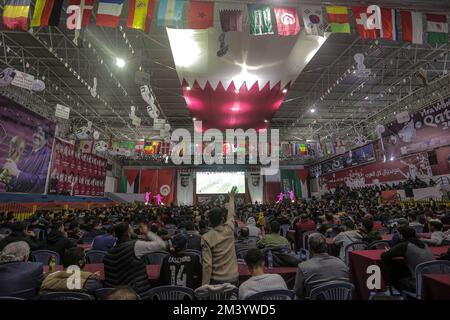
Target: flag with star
[{"x": 201, "y": 14}]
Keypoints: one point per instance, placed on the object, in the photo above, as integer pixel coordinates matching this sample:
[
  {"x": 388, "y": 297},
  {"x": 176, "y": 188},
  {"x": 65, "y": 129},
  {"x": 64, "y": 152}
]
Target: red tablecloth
[
  {"x": 359, "y": 260},
  {"x": 288, "y": 273},
  {"x": 436, "y": 287}
]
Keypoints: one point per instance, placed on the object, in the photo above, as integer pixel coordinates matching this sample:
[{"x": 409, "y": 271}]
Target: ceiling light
[
  {"x": 266, "y": 121},
  {"x": 366, "y": 98},
  {"x": 284, "y": 90},
  {"x": 120, "y": 62},
  {"x": 312, "y": 110},
  {"x": 194, "y": 119},
  {"x": 234, "y": 109},
  {"x": 188, "y": 88}
]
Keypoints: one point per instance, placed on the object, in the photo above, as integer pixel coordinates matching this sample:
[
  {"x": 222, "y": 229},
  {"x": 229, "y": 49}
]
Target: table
[
  {"x": 360, "y": 260},
  {"x": 436, "y": 287},
  {"x": 288, "y": 273}
]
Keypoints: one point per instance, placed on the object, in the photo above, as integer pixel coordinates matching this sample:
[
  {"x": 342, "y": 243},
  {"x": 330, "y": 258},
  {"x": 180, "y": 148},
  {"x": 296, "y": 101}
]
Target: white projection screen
[{"x": 219, "y": 182}]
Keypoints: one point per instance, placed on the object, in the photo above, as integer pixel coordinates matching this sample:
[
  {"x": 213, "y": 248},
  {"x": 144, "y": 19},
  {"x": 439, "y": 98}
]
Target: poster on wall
[
  {"x": 26, "y": 140},
  {"x": 404, "y": 168},
  {"x": 425, "y": 129},
  {"x": 74, "y": 172}
]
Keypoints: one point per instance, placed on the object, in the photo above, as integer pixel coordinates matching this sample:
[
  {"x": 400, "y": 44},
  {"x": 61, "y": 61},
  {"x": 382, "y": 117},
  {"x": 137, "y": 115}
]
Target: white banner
[
  {"x": 185, "y": 188},
  {"x": 255, "y": 186},
  {"x": 62, "y": 112},
  {"x": 23, "y": 80}
]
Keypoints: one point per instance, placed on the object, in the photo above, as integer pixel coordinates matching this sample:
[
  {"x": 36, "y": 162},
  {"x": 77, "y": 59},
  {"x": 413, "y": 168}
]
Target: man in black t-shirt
[{"x": 180, "y": 268}]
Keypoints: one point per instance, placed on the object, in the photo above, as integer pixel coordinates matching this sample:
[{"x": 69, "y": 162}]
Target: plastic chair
[
  {"x": 221, "y": 294},
  {"x": 241, "y": 253},
  {"x": 103, "y": 293},
  {"x": 95, "y": 256},
  {"x": 352, "y": 247},
  {"x": 5, "y": 231},
  {"x": 273, "y": 295},
  {"x": 333, "y": 291},
  {"x": 305, "y": 236},
  {"x": 156, "y": 257},
  {"x": 194, "y": 252},
  {"x": 434, "y": 267},
  {"x": 171, "y": 293},
  {"x": 380, "y": 244},
  {"x": 44, "y": 256},
  {"x": 304, "y": 253},
  {"x": 11, "y": 298},
  {"x": 61, "y": 295}
]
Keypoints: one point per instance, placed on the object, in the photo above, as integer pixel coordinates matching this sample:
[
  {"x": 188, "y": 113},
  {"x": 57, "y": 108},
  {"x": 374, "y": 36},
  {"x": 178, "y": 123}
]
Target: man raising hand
[{"x": 219, "y": 255}]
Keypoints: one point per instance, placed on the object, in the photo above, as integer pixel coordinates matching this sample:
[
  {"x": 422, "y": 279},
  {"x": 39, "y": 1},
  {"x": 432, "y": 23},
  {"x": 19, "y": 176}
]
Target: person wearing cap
[
  {"x": 438, "y": 237},
  {"x": 180, "y": 268},
  {"x": 30, "y": 173}
]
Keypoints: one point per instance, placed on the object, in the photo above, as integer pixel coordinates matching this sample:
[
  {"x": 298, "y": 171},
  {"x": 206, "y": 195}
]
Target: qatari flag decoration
[
  {"x": 287, "y": 21},
  {"x": 231, "y": 20}
]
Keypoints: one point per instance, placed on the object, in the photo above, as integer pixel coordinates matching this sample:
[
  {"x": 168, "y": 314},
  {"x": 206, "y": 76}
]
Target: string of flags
[{"x": 371, "y": 21}]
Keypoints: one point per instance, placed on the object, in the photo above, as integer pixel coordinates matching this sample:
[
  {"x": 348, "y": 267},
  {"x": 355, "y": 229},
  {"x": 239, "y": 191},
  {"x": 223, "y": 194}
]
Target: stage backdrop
[
  {"x": 160, "y": 181},
  {"x": 26, "y": 140},
  {"x": 423, "y": 130},
  {"x": 74, "y": 172}
]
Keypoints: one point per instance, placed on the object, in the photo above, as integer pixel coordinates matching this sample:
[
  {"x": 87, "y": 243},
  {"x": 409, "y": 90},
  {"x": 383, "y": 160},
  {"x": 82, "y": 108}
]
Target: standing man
[{"x": 219, "y": 254}]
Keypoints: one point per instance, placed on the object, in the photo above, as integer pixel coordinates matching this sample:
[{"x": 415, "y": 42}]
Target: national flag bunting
[
  {"x": 360, "y": 14},
  {"x": 170, "y": 13},
  {"x": 86, "y": 7},
  {"x": 55, "y": 16},
  {"x": 287, "y": 21},
  {"x": 260, "y": 19},
  {"x": 108, "y": 13},
  {"x": 412, "y": 26},
  {"x": 15, "y": 14},
  {"x": 338, "y": 18},
  {"x": 230, "y": 16},
  {"x": 437, "y": 28},
  {"x": 42, "y": 13},
  {"x": 313, "y": 20},
  {"x": 140, "y": 14},
  {"x": 389, "y": 27},
  {"x": 201, "y": 14}
]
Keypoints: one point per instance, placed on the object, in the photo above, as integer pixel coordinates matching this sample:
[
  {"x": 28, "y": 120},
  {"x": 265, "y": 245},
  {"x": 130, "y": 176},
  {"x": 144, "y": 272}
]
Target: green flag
[{"x": 260, "y": 20}]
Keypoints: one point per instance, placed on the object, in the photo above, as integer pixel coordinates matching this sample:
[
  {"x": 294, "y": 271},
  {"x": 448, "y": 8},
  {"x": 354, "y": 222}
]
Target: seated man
[
  {"x": 18, "y": 277},
  {"x": 274, "y": 239},
  {"x": 123, "y": 293},
  {"x": 320, "y": 269},
  {"x": 20, "y": 232},
  {"x": 346, "y": 237},
  {"x": 438, "y": 237},
  {"x": 194, "y": 240},
  {"x": 57, "y": 239},
  {"x": 259, "y": 281},
  {"x": 253, "y": 230},
  {"x": 369, "y": 234},
  {"x": 401, "y": 272},
  {"x": 180, "y": 268},
  {"x": 402, "y": 222},
  {"x": 60, "y": 280},
  {"x": 104, "y": 242},
  {"x": 243, "y": 242}
]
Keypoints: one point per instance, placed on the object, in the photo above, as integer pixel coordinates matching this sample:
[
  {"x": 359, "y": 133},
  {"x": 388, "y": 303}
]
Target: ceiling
[{"x": 351, "y": 108}]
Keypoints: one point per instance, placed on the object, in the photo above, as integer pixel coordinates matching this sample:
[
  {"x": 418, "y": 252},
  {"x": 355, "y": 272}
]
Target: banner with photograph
[
  {"x": 380, "y": 172},
  {"x": 74, "y": 172},
  {"x": 26, "y": 140},
  {"x": 423, "y": 130}
]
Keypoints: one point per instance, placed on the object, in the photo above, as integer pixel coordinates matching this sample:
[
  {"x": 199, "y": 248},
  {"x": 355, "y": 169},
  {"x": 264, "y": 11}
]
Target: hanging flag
[
  {"x": 230, "y": 16},
  {"x": 313, "y": 20},
  {"x": 338, "y": 19},
  {"x": 15, "y": 14},
  {"x": 42, "y": 12},
  {"x": 287, "y": 21},
  {"x": 140, "y": 14},
  {"x": 86, "y": 7},
  {"x": 201, "y": 14},
  {"x": 108, "y": 13},
  {"x": 170, "y": 13},
  {"x": 437, "y": 28},
  {"x": 412, "y": 26},
  {"x": 260, "y": 20},
  {"x": 360, "y": 14},
  {"x": 389, "y": 27},
  {"x": 55, "y": 16},
  {"x": 303, "y": 149}
]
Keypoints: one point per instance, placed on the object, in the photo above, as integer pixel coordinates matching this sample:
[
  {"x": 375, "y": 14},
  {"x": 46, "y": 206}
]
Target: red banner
[
  {"x": 389, "y": 196},
  {"x": 158, "y": 181},
  {"x": 383, "y": 172},
  {"x": 443, "y": 162},
  {"x": 74, "y": 172},
  {"x": 425, "y": 129}
]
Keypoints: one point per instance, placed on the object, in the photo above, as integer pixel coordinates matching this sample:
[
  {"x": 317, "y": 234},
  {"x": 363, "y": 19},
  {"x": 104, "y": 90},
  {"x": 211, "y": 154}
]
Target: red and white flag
[
  {"x": 108, "y": 13},
  {"x": 412, "y": 26},
  {"x": 389, "y": 26},
  {"x": 361, "y": 19},
  {"x": 86, "y": 7},
  {"x": 287, "y": 21}
]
